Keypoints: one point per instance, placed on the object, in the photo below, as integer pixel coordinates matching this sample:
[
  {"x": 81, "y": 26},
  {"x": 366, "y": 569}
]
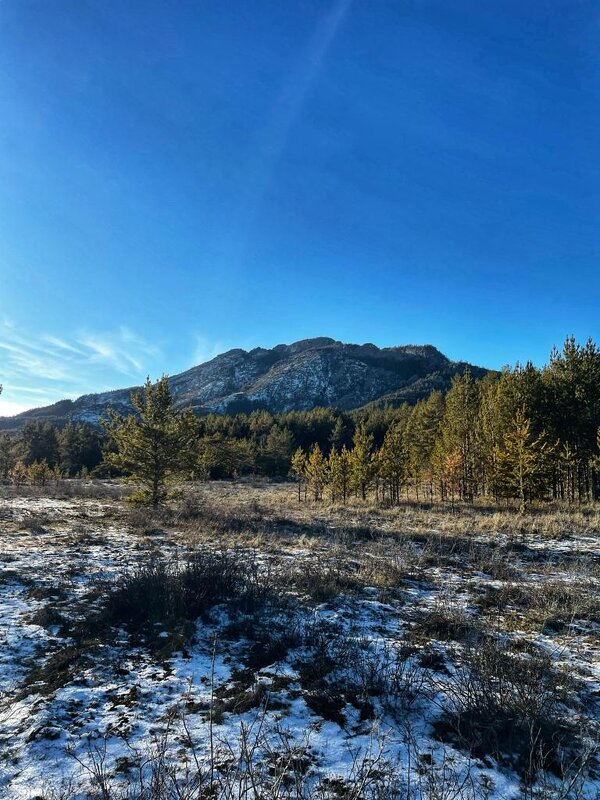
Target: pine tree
[
  {"x": 569, "y": 465},
  {"x": 452, "y": 474},
  {"x": 276, "y": 451},
  {"x": 497, "y": 406},
  {"x": 523, "y": 462},
  {"x": 458, "y": 429},
  {"x": 316, "y": 472},
  {"x": 339, "y": 474},
  {"x": 572, "y": 403},
  {"x": 210, "y": 458},
  {"x": 39, "y": 442},
  {"x": 7, "y": 458},
  {"x": 18, "y": 474},
  {"x": 80, "y": 446},
  {"x": 339, "y": 434},
  {"x": 298, "y": 470},
  {"x": 39, "y": 473},
  {"x": 392, "y": 463},
  {"x": 420, "y": 436},
  {"x": 217, "y": 456},
  {"x": 362, "y": 467},
  {"x": 151, "y": 444}
]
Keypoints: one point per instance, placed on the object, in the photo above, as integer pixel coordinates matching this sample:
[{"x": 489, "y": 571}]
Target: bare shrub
[
  {"x": 147, "y": 520},
  {"x": 557, "y": 604},
  {"x": 508, "y": 705},
  {"x": 322, "y": 581},
  {"x": 264, "y": 760},
  {"x": 171, "y": 592},
  {"x": 447, "y": 623}
]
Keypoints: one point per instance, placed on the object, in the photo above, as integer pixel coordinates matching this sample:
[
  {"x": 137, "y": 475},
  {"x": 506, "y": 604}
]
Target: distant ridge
[{"x": 298, "y": 376}]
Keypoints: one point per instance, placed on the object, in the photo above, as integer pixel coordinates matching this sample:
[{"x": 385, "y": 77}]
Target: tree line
[
  {"x": 41, "y": 452},
  {"x": 525, "y": 433}
]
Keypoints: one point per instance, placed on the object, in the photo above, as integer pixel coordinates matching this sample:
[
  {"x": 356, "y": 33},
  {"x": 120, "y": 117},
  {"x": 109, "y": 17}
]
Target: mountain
[{"x": 298, "y": 376}]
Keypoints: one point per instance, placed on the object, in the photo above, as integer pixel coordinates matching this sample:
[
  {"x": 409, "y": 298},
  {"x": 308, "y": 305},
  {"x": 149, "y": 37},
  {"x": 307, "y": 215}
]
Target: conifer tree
[
  {"x": 452, "y": 474},
  {"x": 458, "y": 429},
  {"x": 39, "y": 442},
  {"x": 572, "y": 384},
  {"x": 523, "y": 461},
  {"x": 219, "y": 456},
  {"x": 422, "y": 432},
  {"x": 39, "y": 473},
  {"x": 362, "y": 467},
  {"x": 497, "y": 406},
  {"x": 392, "y": 462},
  {"x": 569, "y": 465},
  {"x": 339, "y": 473},
  {"x": 339, "y": 434},
  {"x": 18, "y": 474},
  {"x": 298, "y": 470},
  {"x": 276, "y": 451},
  {"x": 80, "y": 446},
  {"x": 7, "y": 458},
  {"x": 316, "y": 472},
  {"x": 150, "y": 445}
]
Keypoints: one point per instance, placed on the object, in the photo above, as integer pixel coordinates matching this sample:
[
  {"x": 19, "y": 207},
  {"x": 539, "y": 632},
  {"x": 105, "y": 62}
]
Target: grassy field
[{"x": 243, "y": 644}]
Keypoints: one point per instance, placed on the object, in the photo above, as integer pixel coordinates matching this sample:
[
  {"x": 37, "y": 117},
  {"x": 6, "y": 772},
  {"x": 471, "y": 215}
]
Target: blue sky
[{"x": 179, "y": 178}]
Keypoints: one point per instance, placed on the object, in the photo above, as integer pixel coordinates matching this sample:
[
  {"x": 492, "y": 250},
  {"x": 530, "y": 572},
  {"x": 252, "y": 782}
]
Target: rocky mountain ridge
[{"x": 298, "y": 376}]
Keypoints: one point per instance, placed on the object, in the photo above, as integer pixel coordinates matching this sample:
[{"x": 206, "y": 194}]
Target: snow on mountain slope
[{"x": 299, "y": 376}]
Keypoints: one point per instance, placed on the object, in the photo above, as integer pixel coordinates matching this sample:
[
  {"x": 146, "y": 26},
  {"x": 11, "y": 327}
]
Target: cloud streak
[
  {"x": 42, "y": 369},
  {"x": 288, "y": 107},
  {"x": 206, "y": 349}
]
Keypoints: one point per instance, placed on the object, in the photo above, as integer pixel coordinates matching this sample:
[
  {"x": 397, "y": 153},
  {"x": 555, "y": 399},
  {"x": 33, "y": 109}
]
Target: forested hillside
[
  {"x": 527, "y": 433},
  {"x": 289, "y": 377}
]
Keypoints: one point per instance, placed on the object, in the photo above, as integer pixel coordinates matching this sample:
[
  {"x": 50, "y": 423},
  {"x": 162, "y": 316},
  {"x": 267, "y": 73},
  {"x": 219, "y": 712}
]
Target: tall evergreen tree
[
  {"x": 7, "y": 456},
  {"x": 523, "y": 462},
  {"x": 362, "y": 467},
  {"x": 80, "y": 446},
  {"x": 572, "y": 383},
  {"x": 39, "y": 442},
  {"x": 422, "y": 432},
  {"x": 151, "y": 442},
  {"x": 217, "y": 456},
  {"x": 458, "y": 429},
  {"x": 339, "y": 434},
  {"x": 339, "y": 474},
  {"x": 298, "y": 470},
  {"x": 392, "y": 462},
  {"x": 316, "y": 472},
  {"x": 276, "y": 451}
]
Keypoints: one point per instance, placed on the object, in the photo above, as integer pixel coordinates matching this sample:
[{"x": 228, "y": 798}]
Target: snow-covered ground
[{"x": 352, "y": 680}]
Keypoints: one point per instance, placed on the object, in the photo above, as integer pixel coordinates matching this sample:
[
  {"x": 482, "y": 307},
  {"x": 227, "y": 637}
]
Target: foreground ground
[{"x": 242, "y": 644}]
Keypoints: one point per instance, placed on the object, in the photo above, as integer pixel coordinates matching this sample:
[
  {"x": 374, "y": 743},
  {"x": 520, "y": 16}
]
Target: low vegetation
[
  {"x": 239, "y": 643},
  {"x": 415, "y": 615},
  {"x": 520, "y": 437}
]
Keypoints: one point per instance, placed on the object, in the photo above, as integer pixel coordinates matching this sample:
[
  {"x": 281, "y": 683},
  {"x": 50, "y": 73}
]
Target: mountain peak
[
  {"x": 306, "y": 344},
  {"x": 310, "y": 372}
]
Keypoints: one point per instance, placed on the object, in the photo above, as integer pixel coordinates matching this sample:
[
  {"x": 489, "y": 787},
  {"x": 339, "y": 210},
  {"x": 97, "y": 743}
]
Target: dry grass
[
  {"x": 476, "y": 612},
  {"x": 260, "y": 507}
]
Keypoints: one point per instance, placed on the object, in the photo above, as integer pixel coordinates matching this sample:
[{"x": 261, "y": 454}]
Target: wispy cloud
[
  {"x": 42, "y": 369},
  {"x": 206, "y": 349},
  {"x": 60, "y": 344},
  {"x": 123, "y": 351}
]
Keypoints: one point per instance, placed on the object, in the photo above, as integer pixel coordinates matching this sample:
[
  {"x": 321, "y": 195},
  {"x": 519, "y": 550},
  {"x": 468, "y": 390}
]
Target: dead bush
[
  {"x": 322, "y": 581},
  {"x": 508, "y": 705},
  {"x": 160, "y": 591},
  {"x": 447, "y": 624}
]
